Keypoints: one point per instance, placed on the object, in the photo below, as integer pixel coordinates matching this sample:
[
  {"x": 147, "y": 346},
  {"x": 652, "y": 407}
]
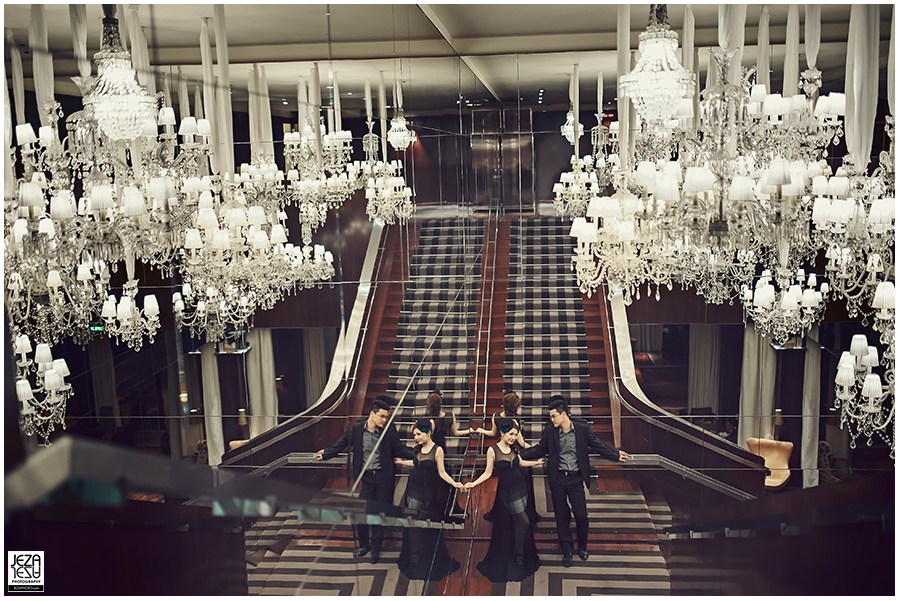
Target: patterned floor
[{"x": 317, "y": 560}]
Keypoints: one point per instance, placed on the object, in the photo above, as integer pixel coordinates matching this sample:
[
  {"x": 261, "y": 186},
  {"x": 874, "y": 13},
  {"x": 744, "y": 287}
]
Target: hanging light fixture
[
  {"x": 120, "y": 105},
  {"x": 658, "y": 80},
  {"x": 42, "y": 413},
  {"x": 399, "y": 136}
]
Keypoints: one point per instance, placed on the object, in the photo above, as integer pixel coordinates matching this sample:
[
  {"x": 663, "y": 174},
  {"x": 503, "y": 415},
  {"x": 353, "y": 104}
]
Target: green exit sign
[{"x": 96, "y": 328}]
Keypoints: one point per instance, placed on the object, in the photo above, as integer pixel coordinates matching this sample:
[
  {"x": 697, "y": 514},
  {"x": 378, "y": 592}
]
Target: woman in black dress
[
  {"x": 424, "y": 554},
  {"x": 512, "y": 529},
  {"x": 511, "y": 404},
  {"x": 445, "y": 424}
]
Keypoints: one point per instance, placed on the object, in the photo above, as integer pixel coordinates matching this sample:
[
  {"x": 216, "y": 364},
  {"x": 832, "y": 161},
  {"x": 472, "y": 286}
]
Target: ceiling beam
[{"x": 439, "y": 25}]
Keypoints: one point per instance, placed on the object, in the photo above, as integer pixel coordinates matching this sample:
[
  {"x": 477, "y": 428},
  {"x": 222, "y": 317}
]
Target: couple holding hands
[{"x": 565, "y": 442}]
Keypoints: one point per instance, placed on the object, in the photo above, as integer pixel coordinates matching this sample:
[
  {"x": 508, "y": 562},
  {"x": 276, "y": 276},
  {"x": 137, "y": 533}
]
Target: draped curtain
[
  {"x": 762, "y": 49},
  {"x": 103, "y": 376},
  {"x": 809, "y": 443},
  {"x": 226, "y": 128},
  {"x": 623, "y": 67},
  {"x": 209, "y": 95},
  {"x": 78, "y": 22},
  {"x": 757, "y": 387},
  {"x": 703, "y": 367},
  {"x": 140, "y": 53},
  {"x": 792, "y": 53},
  {"x": 647, "y": 337},
  {"x": 861, "y": 84},
  {"x": 9, "y": 174},
  {"x": 41, "y": 61},
  {"x": 212, "y": 404},
  {"x": 261, "y": 381},
  {"x": 314, "y": 363}
]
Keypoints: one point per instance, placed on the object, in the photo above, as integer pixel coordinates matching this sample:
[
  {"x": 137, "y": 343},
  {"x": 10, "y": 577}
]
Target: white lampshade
[
  {"x": 845, "y": 376},
  {"x": 741, "y": 188},
  {"x": 42, "y": 354},
  {"x": 645, "y": 175},
  {"x": 758, "y": 92},
  {"x": 871, "y": 388},
  {"x": 278, "y": 236},
  {"x": 260, "y": 240},
  {"x": 666, "y": 188},
  {"x": 59, "y": 365},
  {"x": 125, "y": 310},
  {"x": 192, "y": 239},
  {"x": 30, "y": 195},
  {"x": 151, "y": 306},
  {"x": 870, "y": 359},
  {"x": 859, "y": 346},
  {"x": 188, "y": 127},
  {"x": 62, "y": 206},
  {"x": 206, "y": 219},
  {"x": 166, "y": 116},
  {"x": 25, "y": 134},
  {"x": 24, "y": 394},
  {"x": 109, "y": 308},
  {"x": 52, "y": 380},
  {"x": 779, "y": 173},
  {"x": 101, "y": 198},
  {"x": 45, "y": 226},
  {"x": 150, "y": 129},
  {"x": 838, "y": 103},
  {"x": 134, "y": 204},
  {"x": 626, "y": 230},
  {"x": 23, "y": 344},
  {"x": 221, "y": 240},
  {"x": 203, "y": 127},
  {"x": 698, "y": 180},
  {"x": 256, "y": 215},
  {"x": 53, "y": 279},
  {"x": 884, "y": 296}
]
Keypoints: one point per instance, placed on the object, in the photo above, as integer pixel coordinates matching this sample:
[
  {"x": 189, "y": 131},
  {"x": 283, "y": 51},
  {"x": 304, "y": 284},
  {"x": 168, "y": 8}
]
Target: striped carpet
[{"x": 546, "y": 351}]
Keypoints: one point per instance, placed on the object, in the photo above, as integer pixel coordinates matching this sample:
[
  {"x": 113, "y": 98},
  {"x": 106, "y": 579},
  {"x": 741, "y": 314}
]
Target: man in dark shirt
[
  {"x": 567, "y": 442},
  {"x": 378, "y": 481}
]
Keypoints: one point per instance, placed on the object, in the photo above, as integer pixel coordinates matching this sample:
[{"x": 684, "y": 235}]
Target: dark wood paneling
[{"x": 678, "y": 306}]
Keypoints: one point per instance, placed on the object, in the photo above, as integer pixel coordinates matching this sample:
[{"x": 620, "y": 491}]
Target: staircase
[{"x": 546, "y": 348}]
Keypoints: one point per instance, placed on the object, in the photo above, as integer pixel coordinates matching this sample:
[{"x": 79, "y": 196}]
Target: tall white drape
[
  {"x": 210, "y": 103},
  {"x": 103, "y": 377},
  {"x": 9, "y": 174},
  {"x": 265, "y": 114},
  {"x": 140, "y": 53},
  {"x": 123, "y": 30},
  {"x": 253, "y": 112},
  {"x": 861, "y": 83},
  {"x": 261, "y": 381},
  {"x": 382, "y": 115},
  {"x": 792, "y": 53},
  {"x": 762, "y": 49},
  {"x": 687, "y": 39},
  {"x": 623, "y": 67},
  {"x": 225, "y": 156},
  {"x": 732, "y": 18},
  {"x": 78, "y": 23},
  {"x": 212, "y": 404},
  {"x": 703, "y": 366},
  {"x": 42, "y": 62},
  {"x": 302, "y": 105},
  {"x": 314, "y": 363},
  {"x": 757, "y": 387},
  {"x": 184, "y": 98},
  {"x": 809, "y": 443},
  {"x": 890, "y": 66},
  {"x": 813, "y": 34},
  {"x": 18, "y": 77}
]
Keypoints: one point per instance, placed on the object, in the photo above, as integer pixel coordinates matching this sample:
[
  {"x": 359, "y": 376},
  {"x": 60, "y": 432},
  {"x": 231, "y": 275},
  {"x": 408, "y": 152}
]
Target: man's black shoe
[
  {"x": 583, "y": 554},
  {"x": 567, "y": 559},
  {"x": 360, "y": 551},
  {"x": 375, "y": 556}
]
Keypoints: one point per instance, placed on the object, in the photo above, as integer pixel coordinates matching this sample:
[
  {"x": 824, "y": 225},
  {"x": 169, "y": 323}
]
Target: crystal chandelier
[
  {"x": 567, "y": 129},
  {"x": 866, "y": 404},
  {"x": 126, "y": 322},
  {"x": 787, "y": 311},
  {"x": 658, "y": 80},
  {"x": 120, "y": 105},
  {"x": 576, "y": 188},
  {"x": 40, "y": 415},
  {"x": 389, "y": 198}
]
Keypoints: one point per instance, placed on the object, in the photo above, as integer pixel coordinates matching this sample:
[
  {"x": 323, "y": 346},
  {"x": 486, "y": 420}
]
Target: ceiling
[{"x": 446, "y": 55}]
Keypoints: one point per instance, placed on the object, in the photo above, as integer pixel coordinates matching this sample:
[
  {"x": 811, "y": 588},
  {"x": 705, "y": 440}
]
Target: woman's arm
[
  {"x": 521, "y": 441},
  {"x": 403, "y": 462},
  {"x": 491, "y": 432},
  {"x": 526, "y": 463},
  {"x": 454, "y": 428},
  {"x": 439, "y": 459},
  {"x": 488, "y": 470}
]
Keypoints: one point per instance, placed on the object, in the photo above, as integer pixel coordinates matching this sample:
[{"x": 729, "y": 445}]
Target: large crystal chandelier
[
  {"x": 40, "y": 415},
  {"x": 658, "y": 80},
  {"x": 119, "y": 104},
  {"x": 787, "y": 311}
]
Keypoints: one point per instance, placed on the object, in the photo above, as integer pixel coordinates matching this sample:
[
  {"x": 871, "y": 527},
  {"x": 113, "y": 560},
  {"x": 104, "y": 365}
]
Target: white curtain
[
  {"x": 209, "y": 94},
  {"x": 647, "y": 337},
  {"x": 861, "y": 83},
  {"x": 41, "y": 61},
  {"x": 757, "y": 387},
  {"x": 813, "y": 37},
  {"x": 265, "y": 114},
  {"x": 703, "y": 366},
  {"x": 792, "y": 53},
  {"x": 732, "y": 18},
  {"x": 687, "y": 39},
  {"x": 762, "y": 49},
  {"x": 18, "y": 78},
  {"x": 9, "y": 174},
  {"x": 184, "y": 98},
  {"x": 314, "y": 363},
  {"x": 140, "y": 54},
  {"x": 225, "y": 156},
  {"x": 103, "y": 376},
  {"x": 261, "y": 381},
  {"x": 78, "y": 22},
  {"x": 890, "y": 66},
  {"x": 253, "y": 112},
  {"x": 623, "y": 67},
  {"x": 212, "y": 404},
  {"x": 809, "y": 442}
]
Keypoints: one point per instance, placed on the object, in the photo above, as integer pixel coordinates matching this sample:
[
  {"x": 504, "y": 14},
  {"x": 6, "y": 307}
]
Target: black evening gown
[
  {"x": 442, "y": 426},
  {"x": 424, "y": 492},
  {"x": 499, "y": 564}
]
